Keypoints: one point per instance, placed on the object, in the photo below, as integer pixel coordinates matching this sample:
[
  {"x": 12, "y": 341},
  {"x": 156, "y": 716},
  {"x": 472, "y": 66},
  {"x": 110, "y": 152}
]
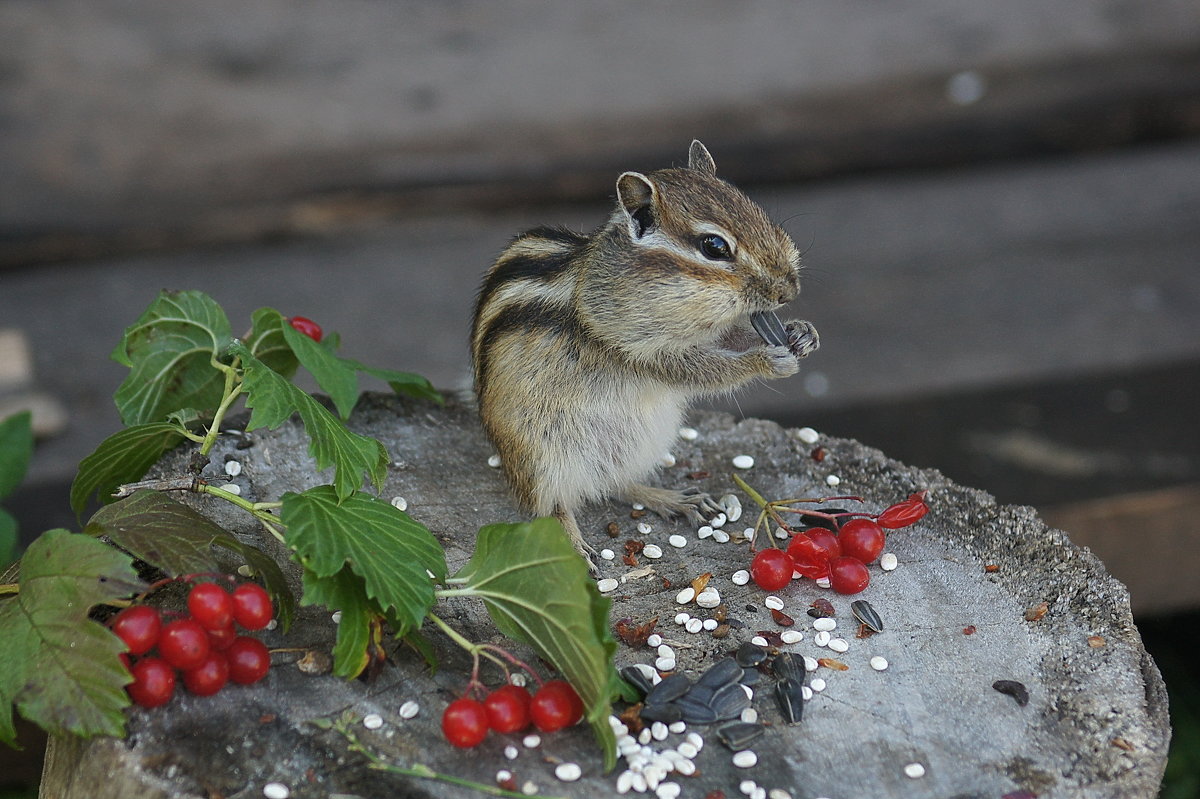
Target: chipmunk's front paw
[
  {"x": 802, "y": 338},
  {"x": 781, "y": 362}
]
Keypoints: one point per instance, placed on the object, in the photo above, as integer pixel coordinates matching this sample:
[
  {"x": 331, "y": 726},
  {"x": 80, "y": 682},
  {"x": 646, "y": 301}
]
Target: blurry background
[{"x": 999, "y": 206}]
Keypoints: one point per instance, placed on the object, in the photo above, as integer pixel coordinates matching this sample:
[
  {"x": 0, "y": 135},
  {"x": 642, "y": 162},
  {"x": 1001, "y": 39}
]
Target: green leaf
[
  {"x": 336, "y": 377},
  {"x": 8, "y": 538},
  {"x": 537, "y": 589},
  {"x": 170, "y": 350},
  {"x": 123, "y": 457},
  {"x": 401, "y": 382},
  {"x": 273, "y": 400},
  {"x": 381, "y": 544},
  {"x": 16, "y": 446},
  {"x": 267, "y": 343},
  {"x": 60, "y": 668},
  {"x": 346, "y": 592}
]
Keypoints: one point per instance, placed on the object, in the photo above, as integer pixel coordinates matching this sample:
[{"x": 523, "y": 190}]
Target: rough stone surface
[{"x": 1095, "y": 726}]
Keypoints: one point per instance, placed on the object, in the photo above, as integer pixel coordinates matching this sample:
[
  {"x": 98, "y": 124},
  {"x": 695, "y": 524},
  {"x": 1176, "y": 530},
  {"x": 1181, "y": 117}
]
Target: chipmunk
[{"x": 588, "y": 348}]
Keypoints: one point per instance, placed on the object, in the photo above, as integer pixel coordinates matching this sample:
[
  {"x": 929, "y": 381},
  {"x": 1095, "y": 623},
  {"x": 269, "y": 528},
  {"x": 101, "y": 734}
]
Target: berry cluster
[
  {"x": 203, "y": 647},
  {"x": 509, "y": 709},
  {"x": 839, "y": 555}
]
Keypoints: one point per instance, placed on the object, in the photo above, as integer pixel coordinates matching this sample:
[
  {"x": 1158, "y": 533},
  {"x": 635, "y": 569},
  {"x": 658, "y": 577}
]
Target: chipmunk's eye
[{"x": 716, "y": 248}]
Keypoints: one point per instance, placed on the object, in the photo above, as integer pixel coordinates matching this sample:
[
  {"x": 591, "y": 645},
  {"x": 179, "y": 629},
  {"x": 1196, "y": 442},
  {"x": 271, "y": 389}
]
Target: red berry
[
  {"x": 555, "y": 705},
  {"x": 209, "y": 677},
  {"x": 862, "y": 539},
  {"x": 808, "y": 557},
  {"x": 465, "y": 723},
  {"x": 771, "y": 569},
  {"x": 306, "y": 326},
  {"x": 184, "y": 644},
  {"x": 138, "y": 626},
  {"x": 220, "y": 640},
  {"x": 153, "y": 682},
  {"x": 508, "y": 708},
  {"x": 252, "y": 606},
  {"x": 211, "y": 605},
  {"x": 825, "y": 539},
  {"x": 902, "y": 514},
  {"x": 249, "y": 660},
  {"x": 848, "y": 575}
]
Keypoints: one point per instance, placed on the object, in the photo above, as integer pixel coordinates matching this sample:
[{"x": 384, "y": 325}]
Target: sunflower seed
[
  {"x": 669, "y": 689},
  {"x": 865, "y": 613},
  {"x": 769, "y": 328},
  {"x": 788, "y": 665},
  {"x": 740, "y": 734},
  {"x": 667, "y": 713},
  {"x": 730, "y": 701},
  {"x": 750, "y": 655},
  {"x": 694, "y": 712},
  {"x": 1016, "y": 690},
  {"x": 723, "y": 672},
  {"x": 790, "y": 695}
]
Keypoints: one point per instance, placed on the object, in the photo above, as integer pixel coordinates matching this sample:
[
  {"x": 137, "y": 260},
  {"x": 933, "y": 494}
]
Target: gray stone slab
[{"x": 1095, "y": 726}]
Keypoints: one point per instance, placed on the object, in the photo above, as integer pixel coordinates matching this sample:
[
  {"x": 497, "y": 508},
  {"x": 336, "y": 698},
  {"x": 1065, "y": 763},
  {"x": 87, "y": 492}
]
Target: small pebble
[
  {"x": 694, "y": 625},
  {"x": 654, "y": 639},
  {"x": 743, "y": 462},
  {"x": 665, "y": 664},
  {"x": 720, "y": 536},
  {"x": 652, "y": 551},
  {"x": 607, "y": 584},
  {"x": 235, "y": 489},
  {"x": 644, "y": 528},
  {"x": 689, "y": 433},
  {"x": 808, "y": 435},
  {"x": 822, "y": 638},
  {"x": 740, "y": 577},
  {"x": 607, "y": 554},
  {"x": 233, "y": 468},
  {"x": 532, "y": 741},
  {"x": 833, "y": 480},
  {"x": 711, "y": 624},
  {"x": 511, "y": 752},
  {"x": 839, "y": 644},
  {"x": 677, "y": 541},
  {"x": 791, "y": 636},
  {"x": 818, "y": 684},
  {"x": 372, "y": 721},
  {"x": 718, "y": 520},
  {"x": 705, "y": 531},
  {"x": 409, "y": 710},
  {"x": 399, "y": 503},
  {"x": 758, "y": 640},
  {"x": 685, "y": 596},
  {"x": 667, "y": 460},
  {"x": 276, "y": 790},
  {"x": 745, "y": 759},
  {"x": 708, "y": 598},
  {"x": 773, "y": 602},
  {"x": 494, "y": 461},
  {"x": 888, "y": 561},
  {"x": 914, "y": 770},
  {"x": 824, "y": 623},
  {"x": 879, "y": 663}
]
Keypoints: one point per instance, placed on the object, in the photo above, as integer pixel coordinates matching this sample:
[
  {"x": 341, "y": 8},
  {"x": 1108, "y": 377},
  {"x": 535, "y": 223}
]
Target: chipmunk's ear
[
  {"x": 700, "y": 159},
  {"x": 637, "y": 196}
]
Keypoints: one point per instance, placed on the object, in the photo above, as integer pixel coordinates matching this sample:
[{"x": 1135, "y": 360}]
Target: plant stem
[
  {"x": 233, "y": 387},
  {"x": 256, "y": 509}
]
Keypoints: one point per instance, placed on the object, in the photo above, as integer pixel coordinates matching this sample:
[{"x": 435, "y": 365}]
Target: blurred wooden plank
[{"x": 1149, "y": 540}]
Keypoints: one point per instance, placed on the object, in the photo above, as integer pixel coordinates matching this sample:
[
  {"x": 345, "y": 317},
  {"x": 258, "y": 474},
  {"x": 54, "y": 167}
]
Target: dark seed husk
[
  {"x": 634, "y": 676},
  {"x": 819, "y": 521},
  {"x": 738, "y": 735},
  {"x": 788, "y": 665},
  {"x": 694, "y": 712},
  {"x": 1016, "y": 690},
  {"x": 701, "y": 693},
  {"x": 789, "y": 694},
  {"x": 865, "y": 613},
  {"x": 821, "y": 609},
  {"x": 669, "y": 688},
  {"x": 750, "y": 655},
  {"x": 769, "y": 328},
  {"x": 750, "y": 676},
  {"x": 729, "y": 702},
  {"x": 667, "y": 714},
  {"x": 723, "y": 672}
]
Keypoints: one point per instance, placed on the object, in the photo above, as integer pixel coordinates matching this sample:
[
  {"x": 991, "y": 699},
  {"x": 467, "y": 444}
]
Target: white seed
[
  {"x": 667, "y": 460},
  {"x": 233, "y": 468},
  {"x": 781, "y": 534},
  {"x": 732, "y": 507},
  {"x": 747, "y": 786},
  {"x": 811, "y": 664},
  {"x": 677, "y": 541},
  {"x": 409, "y": 710},
  {"x": 682, "y": 618},
  {"x": 808, "y": 435},
  {"x": 914, "y": 770},
  {"x": 773, "y": 602},
  {"x": 687, "y": 749},
  {"x": 839, "y": 644},
  {"x": 494, "y": 461},
  {"x": 517, "y": 679},
  {"x": 644, "y": 528},
  {"x": 720, "y": 536},
  {"x": 652, "y": 551},
  {"x": 758, "y": 640},
  {"x": 646, "y": 671},
  {"x": 711, "y": 624},
  {"x": 372, "y": 721},
  {"x": 708, "y": 598},
  {"x": 624, "y": 781},
  {"x": 568, "y": 772},
  {"x": 236, "y": 490},
  {"x": 759, "y": 793},
  {"x": 791, "y": 636},
  {"x": 503, "y": 775},
  {"x": 822, "y": 638},
  {"x": 696, "y": 740},
  {"x": 879, "y": 663},
  {"x": 336, "y": 617},
  {"x": 685, "y": 596},
  {"x": 654, "y": 639},
  {"x": 718, "y": 520},
  {"x": 399, "y": 503},
  {"x": 668, "y": 790},
  {"x": 689, "y": 433},
  {"x": 665, "y": 664},
  {"x": 659, "y": 731},
  {"x": 272, "y": 624},
  {"x": 607, "y": 584},
  {"x": 749, "y": 691},
  {"x": 644, "y": 736},
  {"x": 740, "y": 577},
  {"x": 694, "y": 625},
  {"x": 705, "y": 531},
  {"x": 743, "y": 462},
  {"x": 665, "y": 651},
  {"x": 677, "y": 727},
  {"x": 276, "y": 790},
  {"x": 245, "y": 571},
  {"x": 745, "y": 759},
  {"x": 778, "y": 793},
  {"x": 825, "y": 624},
  {"x": 749, "y": 715},
  {"x": 806, "y": 693},
  {"x": 638, "y": 506},
  {"x": 607, "y": 554},
  {"x": 888, "y": 561},
  {"x": 818, "y": 684},
  {"x": 833, "y": 480},
  {"x": 529, "y": 788},
  {"x": 823, "y": 582},
  {"x": 532, "y": 741}
]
